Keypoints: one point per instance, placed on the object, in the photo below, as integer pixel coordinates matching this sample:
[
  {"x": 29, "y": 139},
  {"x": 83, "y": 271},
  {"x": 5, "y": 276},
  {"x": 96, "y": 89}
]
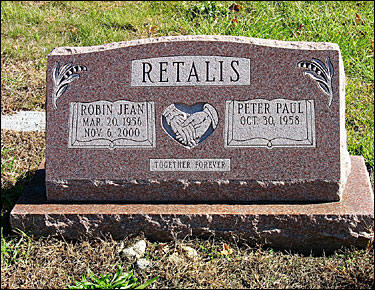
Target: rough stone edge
[
  {"x": 293, "y": 230},
  {"x": 226, "y": 38},
  {"x": 298, "y": 232}
]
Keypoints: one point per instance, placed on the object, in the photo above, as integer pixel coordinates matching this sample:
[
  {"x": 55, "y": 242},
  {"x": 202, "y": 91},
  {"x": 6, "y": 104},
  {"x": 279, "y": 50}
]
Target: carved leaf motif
[
  {"x": 320, "y": 64},
  {"x": 55, "y": 73},
  {"x": 324, "y": 87},
  {"x": 315, "y": 76},
  {"x": 319, "y": 72},
  {"x": 330, "y": 67},
  {"x": 61, "y": 79},
  {"x": 64, "y": 69},
  {"x": 60, "y": 92},
  {"x": 69, "y": 79}
]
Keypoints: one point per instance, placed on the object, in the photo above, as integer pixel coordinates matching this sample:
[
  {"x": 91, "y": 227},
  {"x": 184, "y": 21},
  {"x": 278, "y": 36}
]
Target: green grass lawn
[{"x": 30, "y": 30}]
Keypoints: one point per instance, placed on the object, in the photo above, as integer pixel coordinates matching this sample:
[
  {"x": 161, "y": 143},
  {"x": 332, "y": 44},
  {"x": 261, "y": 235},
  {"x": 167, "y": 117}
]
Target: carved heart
[{"x": 189, "y": 125}]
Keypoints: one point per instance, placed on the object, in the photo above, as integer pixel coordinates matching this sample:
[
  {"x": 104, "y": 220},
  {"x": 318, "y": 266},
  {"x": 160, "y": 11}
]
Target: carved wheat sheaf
[
  {"x": 319, "y": 72},
  {"x": 62, "y": 78}
]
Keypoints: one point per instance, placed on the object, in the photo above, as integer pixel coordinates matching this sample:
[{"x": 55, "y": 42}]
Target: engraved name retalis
[
  {"x": 111, "y": 125},
  {"x": 275, "y": 123},
  {"x": 190, "y": 71}
]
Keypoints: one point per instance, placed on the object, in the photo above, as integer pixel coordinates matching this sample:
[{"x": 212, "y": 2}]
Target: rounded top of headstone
[{"x": 226, "y": 38}]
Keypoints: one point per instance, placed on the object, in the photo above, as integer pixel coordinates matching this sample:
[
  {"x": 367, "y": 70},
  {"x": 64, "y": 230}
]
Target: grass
[
  {"x": 30, "y": 30},
  {"x": 21, "y": 154},
  {"x": 360, "y": 121},
  {"x": 55, "y": 263},
  {"x": 119, "y": 280},
  {"x": 14, "y": 250}
]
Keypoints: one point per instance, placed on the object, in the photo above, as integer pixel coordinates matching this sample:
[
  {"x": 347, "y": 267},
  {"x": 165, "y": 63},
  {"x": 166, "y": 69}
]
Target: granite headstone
[
  {"x": 199, "y": 135},
  {"x": 196, "y": 118}
]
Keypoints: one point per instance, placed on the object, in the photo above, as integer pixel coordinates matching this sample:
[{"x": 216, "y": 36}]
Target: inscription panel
[
  {"x": 189, "y": 164},
  {"x": 118, "y": 124},
  {"x": 275, "y": 123},
  {"x": 190, "y": 71}
]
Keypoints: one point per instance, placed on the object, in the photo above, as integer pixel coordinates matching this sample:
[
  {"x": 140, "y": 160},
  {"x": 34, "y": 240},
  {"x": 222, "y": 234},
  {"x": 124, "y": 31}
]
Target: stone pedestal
[{"x": 302, "y": 226}]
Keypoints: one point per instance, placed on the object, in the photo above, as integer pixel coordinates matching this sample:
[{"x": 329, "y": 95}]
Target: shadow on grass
[{"x": 10, "y": 196}]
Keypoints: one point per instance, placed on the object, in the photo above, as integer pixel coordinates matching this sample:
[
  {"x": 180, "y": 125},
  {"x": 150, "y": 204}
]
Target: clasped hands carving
[{"x": 189, "y": 128}]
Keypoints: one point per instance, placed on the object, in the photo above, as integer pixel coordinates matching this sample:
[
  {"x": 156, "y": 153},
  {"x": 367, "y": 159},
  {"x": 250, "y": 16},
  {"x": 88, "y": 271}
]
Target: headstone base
[{"x": 298, "y": 226}]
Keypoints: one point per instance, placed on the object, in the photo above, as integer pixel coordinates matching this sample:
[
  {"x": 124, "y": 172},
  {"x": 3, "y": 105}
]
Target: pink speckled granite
[
  {"x": 257, "y": 174},
  {"x": 303, "y": 226}
]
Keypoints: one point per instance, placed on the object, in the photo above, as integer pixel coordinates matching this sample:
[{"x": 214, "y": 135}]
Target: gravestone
[
  {"x": 196, "y": 119},
  {"x": 214, "y": 129}
]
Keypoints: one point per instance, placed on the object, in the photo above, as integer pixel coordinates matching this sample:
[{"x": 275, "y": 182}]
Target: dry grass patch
[
  {"x": 22, "y": 87},
  {"x": 21, "y": 152},
  {"x": 55, "y": 263}
]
